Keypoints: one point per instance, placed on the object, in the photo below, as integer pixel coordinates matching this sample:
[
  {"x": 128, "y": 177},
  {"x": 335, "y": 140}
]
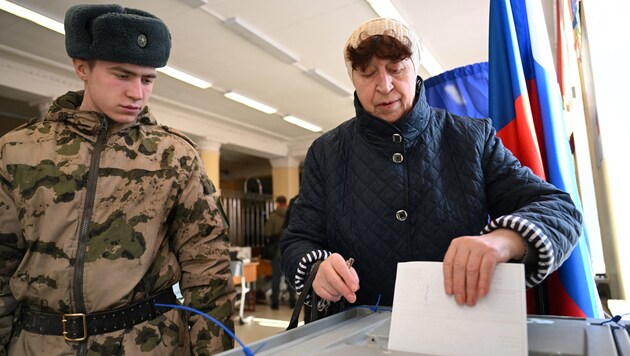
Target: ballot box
[{"x": 360, "y": 331}]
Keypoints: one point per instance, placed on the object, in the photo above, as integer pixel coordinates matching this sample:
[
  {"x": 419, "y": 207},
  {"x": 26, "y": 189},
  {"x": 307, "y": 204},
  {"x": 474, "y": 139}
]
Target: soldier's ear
[{"x": 82, "y": 68}]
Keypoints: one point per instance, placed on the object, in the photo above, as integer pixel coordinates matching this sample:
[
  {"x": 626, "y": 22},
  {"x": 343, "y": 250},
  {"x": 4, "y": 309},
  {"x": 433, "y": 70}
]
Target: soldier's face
[{"x": 118, "y": 90}]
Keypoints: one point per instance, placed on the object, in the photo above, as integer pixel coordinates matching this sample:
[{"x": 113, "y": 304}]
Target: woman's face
[{"x": 386, "y": 89}]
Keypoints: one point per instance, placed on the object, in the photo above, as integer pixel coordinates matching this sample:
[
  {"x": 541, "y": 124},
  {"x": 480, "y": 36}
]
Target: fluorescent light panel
[
  {"x": 239, "y": 27},
  {"x": 429, "y": 62},
  {"x": 385, "y": 8},
  {"x": 184, "y": 77},
  {"x": 301, "y": 123},
  {"x": 195, "y": 3},
  {"x": 32, "y": 16},
  {"x": 250, "y": 102},
  {"x": 326, "y": 81}
]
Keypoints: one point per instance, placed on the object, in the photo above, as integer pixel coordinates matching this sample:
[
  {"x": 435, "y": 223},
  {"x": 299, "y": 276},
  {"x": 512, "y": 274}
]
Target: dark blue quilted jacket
[{"x": 387, "y": 193}]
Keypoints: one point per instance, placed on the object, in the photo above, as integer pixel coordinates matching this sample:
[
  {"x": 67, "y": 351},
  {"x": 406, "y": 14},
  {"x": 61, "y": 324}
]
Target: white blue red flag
[{"x": 526, "y": 109}]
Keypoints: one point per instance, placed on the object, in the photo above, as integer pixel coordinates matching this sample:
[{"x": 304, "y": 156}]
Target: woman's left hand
[{"x": 470, "y": 261}]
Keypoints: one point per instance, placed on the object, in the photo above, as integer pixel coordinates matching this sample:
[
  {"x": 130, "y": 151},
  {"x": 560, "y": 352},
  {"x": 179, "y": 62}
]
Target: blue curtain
[{"x": 462, "y": 91}]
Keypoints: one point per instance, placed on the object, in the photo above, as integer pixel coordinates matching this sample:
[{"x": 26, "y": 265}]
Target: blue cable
[
  {"x": 373, "y": 308},
  {"x": 615, "y": 320},
  {"x": 246, "y": 349}
]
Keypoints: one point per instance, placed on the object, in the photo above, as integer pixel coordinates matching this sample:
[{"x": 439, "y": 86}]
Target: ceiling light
[
  {"x": 252, "y": 35},
  {"x": 195, "y": 3},
  {"x": 301, "y": 123},
  {"x": 184, "y": 77},
  {"x": 429, "y": 63},
  {"x": 32, "y": 16},
  {"x": 326, "y": 81},
  {"x": 385, "y": 8},
  {"x": 250, "y": 102}
]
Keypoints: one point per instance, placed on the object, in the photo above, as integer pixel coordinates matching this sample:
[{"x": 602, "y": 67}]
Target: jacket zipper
[{"x": 86, "y": 219}]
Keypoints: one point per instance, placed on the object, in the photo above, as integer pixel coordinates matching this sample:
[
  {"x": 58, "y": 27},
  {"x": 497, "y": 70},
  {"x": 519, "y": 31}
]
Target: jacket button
[
  {"x": 397, "y": 138},
  {"x": 397, "y": 157},
  {"x": 401, "y": 215}
]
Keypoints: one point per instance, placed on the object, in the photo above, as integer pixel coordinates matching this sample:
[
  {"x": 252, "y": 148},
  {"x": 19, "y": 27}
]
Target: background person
[
  {"x": 403, "y": 181},
  {"x": 273, "y": 230},
  {"x": 102, "y": 211}
]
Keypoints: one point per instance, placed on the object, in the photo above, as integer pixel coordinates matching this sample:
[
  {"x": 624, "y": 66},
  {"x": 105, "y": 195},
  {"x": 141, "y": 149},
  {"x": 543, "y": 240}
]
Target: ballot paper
[{"x": 427, "y": 321}]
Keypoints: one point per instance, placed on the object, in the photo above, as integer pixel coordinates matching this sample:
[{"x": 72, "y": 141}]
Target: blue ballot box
[{"x": 360, "y": 331}]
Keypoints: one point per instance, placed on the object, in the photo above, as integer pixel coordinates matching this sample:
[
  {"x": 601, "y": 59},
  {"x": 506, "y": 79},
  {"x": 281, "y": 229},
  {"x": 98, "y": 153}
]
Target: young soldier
[{"x": 102, "y": 211}]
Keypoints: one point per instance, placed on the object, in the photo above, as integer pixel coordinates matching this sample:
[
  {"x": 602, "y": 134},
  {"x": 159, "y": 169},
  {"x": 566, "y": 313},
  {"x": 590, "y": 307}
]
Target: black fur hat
[{"x": 116, "y": 34}]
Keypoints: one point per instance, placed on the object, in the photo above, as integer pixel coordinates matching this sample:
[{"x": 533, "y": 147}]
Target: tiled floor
[{"x": 265, "y": 322}]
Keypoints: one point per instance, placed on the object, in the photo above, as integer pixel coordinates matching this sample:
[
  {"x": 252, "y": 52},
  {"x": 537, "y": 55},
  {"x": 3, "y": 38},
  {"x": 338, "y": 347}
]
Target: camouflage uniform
[{"x": 151, "y": 222}]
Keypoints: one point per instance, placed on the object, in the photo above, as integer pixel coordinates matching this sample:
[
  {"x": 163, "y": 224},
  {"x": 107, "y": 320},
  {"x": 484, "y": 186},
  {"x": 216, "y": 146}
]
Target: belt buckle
[{"x": 64, "y": 323}]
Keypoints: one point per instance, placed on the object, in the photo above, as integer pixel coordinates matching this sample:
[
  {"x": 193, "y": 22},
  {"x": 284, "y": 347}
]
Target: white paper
[{"x": 427, "y": 321}]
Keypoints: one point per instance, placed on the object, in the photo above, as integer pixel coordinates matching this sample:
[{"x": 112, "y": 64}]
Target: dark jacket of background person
[
  {"x": 274, "y": 227},
  {"x": 287, "y": 217},
  {"x": 386, "y": 193}
]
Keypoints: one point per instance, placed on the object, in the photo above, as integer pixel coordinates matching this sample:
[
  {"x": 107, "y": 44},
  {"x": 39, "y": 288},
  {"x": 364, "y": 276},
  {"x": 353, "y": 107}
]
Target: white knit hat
[{"x": 380, "y": 26}]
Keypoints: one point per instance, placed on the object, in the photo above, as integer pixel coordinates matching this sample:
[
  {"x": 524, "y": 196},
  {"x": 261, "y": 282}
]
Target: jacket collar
[
  {"x": 409, "y": 126},
  {"x": 65, "y": 109}
]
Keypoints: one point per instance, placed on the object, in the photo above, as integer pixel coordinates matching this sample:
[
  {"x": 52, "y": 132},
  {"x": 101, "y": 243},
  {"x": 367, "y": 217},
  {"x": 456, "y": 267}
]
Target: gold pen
[{"x": 349, "y": 262}]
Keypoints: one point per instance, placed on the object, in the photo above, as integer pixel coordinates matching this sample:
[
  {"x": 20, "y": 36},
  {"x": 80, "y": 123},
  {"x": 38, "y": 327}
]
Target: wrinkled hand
[
  {"x": 335, "y": 279},
  {"x": 470, "y": 261}
]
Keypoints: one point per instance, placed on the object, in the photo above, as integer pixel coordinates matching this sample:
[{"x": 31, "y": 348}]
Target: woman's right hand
[{"x": 335, "y": 279}]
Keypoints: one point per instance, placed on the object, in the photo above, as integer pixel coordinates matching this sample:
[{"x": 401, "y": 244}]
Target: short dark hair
[
  {"x": 281, "y": 199},
  {"x": 380, "y": 46}
]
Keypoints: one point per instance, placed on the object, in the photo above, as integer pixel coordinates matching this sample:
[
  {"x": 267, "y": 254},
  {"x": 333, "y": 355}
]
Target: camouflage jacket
[{"x": 96, "y": 215}]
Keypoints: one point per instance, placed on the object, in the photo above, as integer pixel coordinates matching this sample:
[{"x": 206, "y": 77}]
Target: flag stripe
[{"x": 534, "y": 130}]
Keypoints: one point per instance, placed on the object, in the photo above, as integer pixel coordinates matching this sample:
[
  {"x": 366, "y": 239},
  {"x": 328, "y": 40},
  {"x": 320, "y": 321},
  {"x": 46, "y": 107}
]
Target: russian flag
[{"x": 526, "y": 109}]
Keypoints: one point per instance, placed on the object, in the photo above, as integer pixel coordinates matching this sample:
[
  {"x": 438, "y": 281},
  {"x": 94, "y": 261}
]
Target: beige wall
[
  {"x": 285, "y": 176},
  {"x": 211, "y": 164},
  {"x": 286, "y": 181}
]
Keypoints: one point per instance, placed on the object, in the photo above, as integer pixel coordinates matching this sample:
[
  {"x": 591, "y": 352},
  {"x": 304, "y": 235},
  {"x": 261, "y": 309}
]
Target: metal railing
[{"x": 247, "y": 213}]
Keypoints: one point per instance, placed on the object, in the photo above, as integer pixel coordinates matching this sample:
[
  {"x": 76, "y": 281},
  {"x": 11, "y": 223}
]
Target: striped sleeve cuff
[
  {"x": 304, "y": 267},
  {"x": 534, "y": 238}
]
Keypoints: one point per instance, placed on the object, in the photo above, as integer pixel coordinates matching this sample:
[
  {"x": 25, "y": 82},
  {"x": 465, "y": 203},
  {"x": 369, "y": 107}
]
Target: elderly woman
[{"x": 402, "y": 181}]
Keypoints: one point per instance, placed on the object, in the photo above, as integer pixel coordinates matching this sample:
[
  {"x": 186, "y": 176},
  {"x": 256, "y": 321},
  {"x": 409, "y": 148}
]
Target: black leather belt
[{"x": 78, "y": 326}]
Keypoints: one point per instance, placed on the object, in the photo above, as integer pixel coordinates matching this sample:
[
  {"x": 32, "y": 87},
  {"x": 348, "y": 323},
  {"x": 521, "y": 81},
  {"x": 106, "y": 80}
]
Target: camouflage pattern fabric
[{"x": 83, "y": 231}]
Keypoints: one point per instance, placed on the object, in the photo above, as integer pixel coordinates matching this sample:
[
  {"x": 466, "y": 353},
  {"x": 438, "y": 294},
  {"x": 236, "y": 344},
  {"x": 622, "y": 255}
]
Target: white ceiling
[{"x": 455, "y": 31}]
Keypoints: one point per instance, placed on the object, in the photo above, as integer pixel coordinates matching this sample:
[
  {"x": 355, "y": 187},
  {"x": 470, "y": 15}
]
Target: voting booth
[{"x": 361, "y": 331}]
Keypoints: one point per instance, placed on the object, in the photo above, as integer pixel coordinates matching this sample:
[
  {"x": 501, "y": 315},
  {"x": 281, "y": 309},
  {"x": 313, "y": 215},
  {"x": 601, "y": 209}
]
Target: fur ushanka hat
[{"x": 116, "y": 34}]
